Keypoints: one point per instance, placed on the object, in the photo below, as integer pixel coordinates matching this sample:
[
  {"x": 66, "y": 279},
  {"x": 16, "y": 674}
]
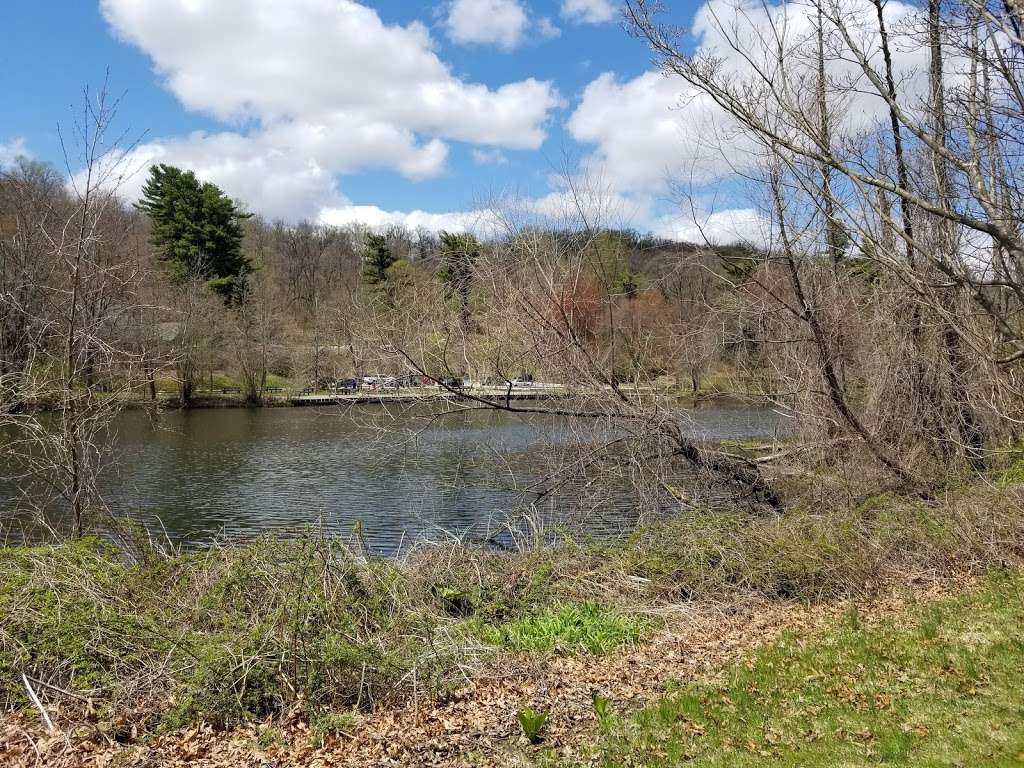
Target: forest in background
[{"x": 311, "y": 293}]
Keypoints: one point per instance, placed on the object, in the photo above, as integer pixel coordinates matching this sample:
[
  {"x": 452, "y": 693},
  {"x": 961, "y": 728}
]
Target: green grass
[
  {"x": 248, "y": 631},
  {"x": 169, "y": 385},
  {"x": 245, "y": 632},
  {"x": 1012, "y": 472},
  {"x": 565, "y": 629},
  {"x": 166, "y": 385},
  {"x": 940, "y": 686},
  {"x": 273, "y": 380}
]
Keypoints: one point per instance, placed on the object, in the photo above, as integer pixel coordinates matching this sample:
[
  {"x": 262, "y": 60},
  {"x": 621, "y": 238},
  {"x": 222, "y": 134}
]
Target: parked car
[
  {"x": 451, "y": 382},
  {"x": 346, "y": 385}
]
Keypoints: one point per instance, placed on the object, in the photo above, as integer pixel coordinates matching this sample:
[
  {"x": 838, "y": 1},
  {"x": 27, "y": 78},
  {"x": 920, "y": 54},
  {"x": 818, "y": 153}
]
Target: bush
[
  {"x": 831, "y": 554},
  {"x": 221, "y": 636}
]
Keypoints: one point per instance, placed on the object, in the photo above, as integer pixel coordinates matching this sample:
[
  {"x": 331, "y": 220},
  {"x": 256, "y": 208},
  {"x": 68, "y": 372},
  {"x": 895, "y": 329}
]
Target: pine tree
[
  {"x": 196, "y": 228},
  {"x": 459, "y": 254},
  {"x": 378, "y": 259}
]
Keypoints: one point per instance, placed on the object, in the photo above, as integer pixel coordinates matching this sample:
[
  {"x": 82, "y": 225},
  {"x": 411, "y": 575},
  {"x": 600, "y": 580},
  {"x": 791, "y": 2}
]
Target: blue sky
[{"x": 330, "y": 109}]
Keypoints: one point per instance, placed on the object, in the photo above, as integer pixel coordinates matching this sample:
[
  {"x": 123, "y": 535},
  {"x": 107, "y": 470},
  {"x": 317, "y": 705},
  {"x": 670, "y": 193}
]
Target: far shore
[{"x": 207, "y": 400}]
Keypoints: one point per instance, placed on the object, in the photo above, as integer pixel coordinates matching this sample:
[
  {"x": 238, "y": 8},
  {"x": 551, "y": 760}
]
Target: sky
[{"x": 382, "y": 112}]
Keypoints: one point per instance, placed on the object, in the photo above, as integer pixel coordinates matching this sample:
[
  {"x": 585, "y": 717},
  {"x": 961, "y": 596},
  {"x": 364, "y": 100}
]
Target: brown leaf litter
[{"x": 476, "y": 726}]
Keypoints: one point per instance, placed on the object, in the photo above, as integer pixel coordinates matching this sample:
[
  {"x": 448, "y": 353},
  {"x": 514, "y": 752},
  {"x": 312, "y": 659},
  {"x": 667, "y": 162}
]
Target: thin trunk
[
  {"x": 832, "y": 233},
  {"x": 966, "y": 428},
  {"x": 826, "y": 357},
  {"x": 72, "y": 426},
  {"x": 902, "y": 175}
]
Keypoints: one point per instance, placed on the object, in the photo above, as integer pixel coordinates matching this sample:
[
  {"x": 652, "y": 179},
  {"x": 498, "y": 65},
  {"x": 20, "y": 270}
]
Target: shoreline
[
  {"x": 307, "y": 652},
  {"x": 474, "y": 722},
  {"x": 683, "y": 634},
  {"x": 688, "y": 400}
]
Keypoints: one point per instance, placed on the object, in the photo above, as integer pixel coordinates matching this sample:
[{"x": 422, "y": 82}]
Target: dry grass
[{"x": 304, "y": 628}]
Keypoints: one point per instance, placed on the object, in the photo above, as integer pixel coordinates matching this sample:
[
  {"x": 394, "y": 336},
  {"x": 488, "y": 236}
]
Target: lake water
[{"x": 238, "y": 472}]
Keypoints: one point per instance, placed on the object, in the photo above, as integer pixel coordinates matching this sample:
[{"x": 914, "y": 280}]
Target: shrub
[
  {"x": 828, "y": 554},
  {"x": 224, "y": 635}
]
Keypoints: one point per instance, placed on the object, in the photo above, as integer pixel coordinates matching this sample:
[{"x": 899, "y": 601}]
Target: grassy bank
[
  {"x": 940, "y": 685},
  {"x": 304, "y": 628}
]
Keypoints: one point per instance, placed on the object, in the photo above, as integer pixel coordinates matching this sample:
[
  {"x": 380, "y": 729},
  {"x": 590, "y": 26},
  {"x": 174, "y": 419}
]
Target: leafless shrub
[
  {"x": 890, "y": 287},
  {"x": 74, "y": 350}
]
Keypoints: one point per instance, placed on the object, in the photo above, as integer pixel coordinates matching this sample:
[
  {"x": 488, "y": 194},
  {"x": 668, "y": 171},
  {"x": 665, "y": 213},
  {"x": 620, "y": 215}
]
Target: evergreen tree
[
  {"x": 377, "y": 261},
  {"x": 196, "y": 228},
  {"x": 459, "y": 254},
  {"x": 607, "y": 256}
]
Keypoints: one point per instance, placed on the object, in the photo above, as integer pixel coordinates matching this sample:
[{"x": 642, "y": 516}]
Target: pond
[{"x": 238, "y": 472}]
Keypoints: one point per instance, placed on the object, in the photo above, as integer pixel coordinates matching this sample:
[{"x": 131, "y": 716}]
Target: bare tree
[
  {"x": 76, "y": 367},
  {"x": 904, "y": 178},
  {"x": 554, "y": 306},
  {"x": 254, "y": 333},
  {"x": 193, "y": 331}
]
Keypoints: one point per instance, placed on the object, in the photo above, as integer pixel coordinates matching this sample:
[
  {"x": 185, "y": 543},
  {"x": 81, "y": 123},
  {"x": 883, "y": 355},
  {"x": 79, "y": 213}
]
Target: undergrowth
[
  {"x": 275, "y": 626},
  {"x": 823, "y": 554}
]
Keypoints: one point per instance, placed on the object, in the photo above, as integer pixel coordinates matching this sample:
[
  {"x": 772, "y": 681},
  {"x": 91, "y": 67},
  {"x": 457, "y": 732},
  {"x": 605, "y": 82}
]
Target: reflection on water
[{"x": 238, "y": 472}]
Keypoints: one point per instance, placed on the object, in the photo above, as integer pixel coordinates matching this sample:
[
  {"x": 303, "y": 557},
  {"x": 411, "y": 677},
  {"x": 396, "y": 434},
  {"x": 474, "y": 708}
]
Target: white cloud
[
  {"x": 489, "y": 157},
  {"x": 482, "y": 223},
  {"x": 322, "y": 87},
  {"x": 12, "y": 150},
  {"x": 587, "y": 203},
  {"x": 649, "y": 129},
  {"x": 719, "y": 228},
  {"x": 653, "y": 128},
  {"x": 251, "y": 169},
  {"x": 589, "y": 11},
  {"x": 555, "y": 209},
  {"x": 502, "y": 23},
  {"x": 737, "y": 31},
  {"x": 314, "y": 59},
  {"x": 547, "y": 28},
  {"x": 286, "y": 171},
  {"x": 487, "y": 22},
  {"x": 559, "y": 208}
]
